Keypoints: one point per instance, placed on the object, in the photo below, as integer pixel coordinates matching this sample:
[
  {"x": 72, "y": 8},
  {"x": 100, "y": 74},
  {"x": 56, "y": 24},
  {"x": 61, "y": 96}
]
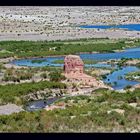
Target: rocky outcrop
[
  {"x": 133, "y": 104},
  {"x": 120, "y": 111},
  {"x": 74, "y": 71},
  {"x": 73, "y": 64},
  {"x": 43, "y": 94}
]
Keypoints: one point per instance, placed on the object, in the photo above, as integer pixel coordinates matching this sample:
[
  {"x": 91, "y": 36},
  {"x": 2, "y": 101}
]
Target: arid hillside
[{"x": 59, "y": 23}]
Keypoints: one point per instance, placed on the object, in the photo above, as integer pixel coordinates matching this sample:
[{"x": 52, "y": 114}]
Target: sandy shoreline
[{"x": 101, "y": 34}]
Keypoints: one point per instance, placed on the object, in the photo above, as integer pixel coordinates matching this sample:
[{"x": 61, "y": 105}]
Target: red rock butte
[
  {"x": 74, "y": 70},
  {"x": 73, "y": 64}
]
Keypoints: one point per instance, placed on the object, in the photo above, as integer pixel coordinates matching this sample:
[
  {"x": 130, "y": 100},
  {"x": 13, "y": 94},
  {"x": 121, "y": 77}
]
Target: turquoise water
[
  {"x": 121, "y": 83},
  {"x": 111, "y": 78},
  {"x": 128, "y": 53},
  {"x": 135, "y": 27}
]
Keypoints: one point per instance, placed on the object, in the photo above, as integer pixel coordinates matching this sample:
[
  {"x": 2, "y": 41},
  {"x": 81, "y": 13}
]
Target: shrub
[
  {"x": 127, "y": 87},
  {"x": 56, "y": 76},
  {"x": 44, "y": 75}
]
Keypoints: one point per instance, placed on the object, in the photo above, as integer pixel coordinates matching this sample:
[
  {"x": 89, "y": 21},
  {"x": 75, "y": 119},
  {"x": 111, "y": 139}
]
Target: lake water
[
  {"x": 111, "y": 78},
  {"x": 36, "y": 105},
  {"x": 120, "y": 83},
  {"x": 135, "y": 27},
  {"x": 128, "y": 53}
]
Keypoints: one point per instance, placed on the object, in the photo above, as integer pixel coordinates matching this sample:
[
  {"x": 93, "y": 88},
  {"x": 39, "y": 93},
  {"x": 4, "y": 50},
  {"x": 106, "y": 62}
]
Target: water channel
[{"x": 112, "y": 78}]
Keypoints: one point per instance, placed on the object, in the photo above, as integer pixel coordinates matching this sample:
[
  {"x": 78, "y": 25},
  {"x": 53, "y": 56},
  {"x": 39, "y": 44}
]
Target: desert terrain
[{"x": 60, "y": 23}]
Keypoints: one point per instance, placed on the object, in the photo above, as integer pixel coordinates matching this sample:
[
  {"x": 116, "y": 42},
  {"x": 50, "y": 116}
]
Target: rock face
[
  {"x": 42, "y": 94},
  {"x": 73, "y": 64},
  {"x": 74, "y": 71},
  {"x": 120, "y": 111}
]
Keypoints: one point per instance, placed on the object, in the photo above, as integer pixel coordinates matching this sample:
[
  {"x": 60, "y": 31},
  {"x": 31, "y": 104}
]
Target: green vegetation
[
  {"x": 44, "y": 69},
  {"x": 49, "y": 68},
  {"x": 138, "y": 65},
  {"x": 133, "y": 76},
  {"x": 8, "y": 93},
  {"x": 56, "y": 76},
  {"x": 44, "y": 75},
  {"x": 123, "y": 61},
  {"x": 39, "y": 61},
  {"x": 16, "y": 75},
  {"x": 127, "y": 87},
  {"x": 23, "y": 49},
  {"x": 82, "y": 114},
  {"x": 5, "y": 54},
  {"x": 86, "y": 61},
  {"x": 104, "y": 76},
  {"x": 58, "y": 61},
  {"x": 84, "y": 40}
]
